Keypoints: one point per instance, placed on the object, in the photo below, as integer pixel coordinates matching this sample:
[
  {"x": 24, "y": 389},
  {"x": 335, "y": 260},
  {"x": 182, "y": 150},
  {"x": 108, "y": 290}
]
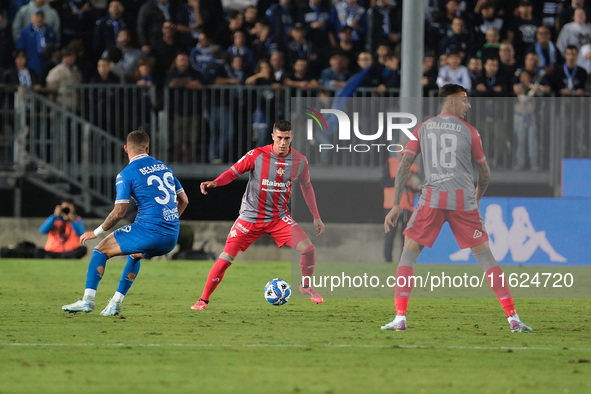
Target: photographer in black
[{"x": 63, "y": 228}]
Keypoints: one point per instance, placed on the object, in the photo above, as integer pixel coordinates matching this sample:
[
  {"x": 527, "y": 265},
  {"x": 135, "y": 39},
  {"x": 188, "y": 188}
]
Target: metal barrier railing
[{"x": 81, "y": 138}]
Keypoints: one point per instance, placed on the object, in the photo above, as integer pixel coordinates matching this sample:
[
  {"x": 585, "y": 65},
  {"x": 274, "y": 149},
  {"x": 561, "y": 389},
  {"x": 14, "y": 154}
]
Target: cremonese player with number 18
[{"x": 160, "y": 200}]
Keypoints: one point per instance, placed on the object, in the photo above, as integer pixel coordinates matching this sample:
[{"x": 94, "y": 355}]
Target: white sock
[
  {"x": 514, "y": 317},
  {"x": 118, "y": 297},
  {"x": 89, "y": 294},
  {"x": 399, "y": 318}
]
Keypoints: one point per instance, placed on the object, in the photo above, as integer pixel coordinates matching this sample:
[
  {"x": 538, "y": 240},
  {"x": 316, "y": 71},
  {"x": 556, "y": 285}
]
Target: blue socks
[
  {"x": 96, "y": 268},
  {"x": 132, "y": 267}
]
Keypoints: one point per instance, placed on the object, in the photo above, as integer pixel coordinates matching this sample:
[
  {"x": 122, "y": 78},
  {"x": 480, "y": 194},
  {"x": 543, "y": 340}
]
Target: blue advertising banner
[{"x": 525, "y": 231}]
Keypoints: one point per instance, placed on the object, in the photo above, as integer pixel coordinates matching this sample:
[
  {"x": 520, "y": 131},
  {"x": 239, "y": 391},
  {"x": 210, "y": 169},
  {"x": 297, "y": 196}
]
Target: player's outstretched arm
[
  {"x": 182, "y": 200},
  {"x": 112, "y": 219},
  {"x": 483, "y": 180}
]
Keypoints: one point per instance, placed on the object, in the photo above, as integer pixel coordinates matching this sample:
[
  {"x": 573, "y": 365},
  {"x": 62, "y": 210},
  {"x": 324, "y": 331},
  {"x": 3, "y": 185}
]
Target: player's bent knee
[
  {"x": 304, "y": 245},
  {"x": 227, "y": 256}
]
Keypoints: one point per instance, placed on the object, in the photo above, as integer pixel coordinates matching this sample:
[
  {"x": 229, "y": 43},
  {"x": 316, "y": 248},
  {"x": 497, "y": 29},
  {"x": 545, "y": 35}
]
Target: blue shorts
[{"x": 138, "y": 238}]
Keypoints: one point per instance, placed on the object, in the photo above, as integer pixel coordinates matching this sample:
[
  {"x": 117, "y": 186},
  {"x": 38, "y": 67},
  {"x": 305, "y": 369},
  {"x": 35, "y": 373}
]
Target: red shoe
[
  {"x": 199, "y": 306},
  {"x": 313, "y": 294}
]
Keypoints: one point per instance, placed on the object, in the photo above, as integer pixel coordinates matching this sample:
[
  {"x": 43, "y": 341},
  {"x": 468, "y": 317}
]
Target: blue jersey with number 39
[{"x": 153, "y": 187}]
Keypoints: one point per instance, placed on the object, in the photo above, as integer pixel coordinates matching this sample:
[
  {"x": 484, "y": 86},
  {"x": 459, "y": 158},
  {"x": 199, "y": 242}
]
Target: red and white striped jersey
[
  {"x": 270, "y": 180},
  {"x": 449, "y": 146}
]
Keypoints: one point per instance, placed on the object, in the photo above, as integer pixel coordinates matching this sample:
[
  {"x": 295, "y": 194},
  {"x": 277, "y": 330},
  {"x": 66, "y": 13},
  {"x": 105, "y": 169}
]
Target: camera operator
[{"x": 63, "y": 228}]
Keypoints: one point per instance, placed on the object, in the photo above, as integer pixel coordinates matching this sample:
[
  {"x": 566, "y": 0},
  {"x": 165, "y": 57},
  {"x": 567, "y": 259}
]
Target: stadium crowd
[
  {"x": 483, "y": 45},
  {"x": 480, "y": 44}
]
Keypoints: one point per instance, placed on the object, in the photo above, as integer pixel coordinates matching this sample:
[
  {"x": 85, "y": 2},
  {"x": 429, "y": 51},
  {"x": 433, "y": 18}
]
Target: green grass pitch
[{"x": 240, "y": 343}]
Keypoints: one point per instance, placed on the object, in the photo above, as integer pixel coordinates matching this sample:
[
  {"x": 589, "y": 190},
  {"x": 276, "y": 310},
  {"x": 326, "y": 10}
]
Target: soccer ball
[{"x": 277, "y": 291}]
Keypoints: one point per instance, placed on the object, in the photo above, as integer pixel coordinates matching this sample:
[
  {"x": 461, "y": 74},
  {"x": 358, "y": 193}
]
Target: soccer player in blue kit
[{"x": 160, "y": 201}]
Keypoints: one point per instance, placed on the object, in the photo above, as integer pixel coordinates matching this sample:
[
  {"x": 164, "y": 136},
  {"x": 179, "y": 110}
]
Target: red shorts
[
  {"x": 425, "y": 224},
  {"x": 284, "y": 231}
]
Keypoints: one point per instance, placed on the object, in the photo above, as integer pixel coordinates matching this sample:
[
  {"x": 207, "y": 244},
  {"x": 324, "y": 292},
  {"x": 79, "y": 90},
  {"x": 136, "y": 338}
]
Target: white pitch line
[{"x": 287, "y": 345}]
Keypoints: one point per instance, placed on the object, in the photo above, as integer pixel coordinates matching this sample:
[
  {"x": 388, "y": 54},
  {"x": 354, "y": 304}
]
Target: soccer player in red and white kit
[
  {"x": 273, "y": 169},
  {"x": 449, "y": 146}
]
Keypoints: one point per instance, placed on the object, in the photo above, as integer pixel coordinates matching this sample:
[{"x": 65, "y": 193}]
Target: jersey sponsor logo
[
  {"x": 170, "y": 214},
  {"x": 274, "y": 186},
  {"x": 242, "y": 229},
  {"x": 277, "y": 163},
  {"x": 153, "y": 168},
  {"x": 477, "y": 234}
]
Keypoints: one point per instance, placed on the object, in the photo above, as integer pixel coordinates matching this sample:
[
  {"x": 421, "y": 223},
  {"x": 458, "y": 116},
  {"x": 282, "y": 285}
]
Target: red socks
[
  {"x": 404, "y": 285},
  {"x": 499, "y": 284},
  {"x": 307, "y": 265},
  {"x": 215, "y": 277}
]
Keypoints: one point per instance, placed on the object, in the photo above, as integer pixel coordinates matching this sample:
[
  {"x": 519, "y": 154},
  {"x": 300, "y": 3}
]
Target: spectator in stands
[
  {"x": 300, "y": 47},
  {"x": 569, "y": 8},
  {"x": 335, "y": 76},
  {"x": 53, "y": 57},
  {"x": 315, "y": 17},
  {"x": 348, "y": 47},
  {"x": 202, "y": 54},
  {"x": 282, "y": 17},
  {"x": 576, "y": 33},
  {"x": 531, "y": 65},
  {"x": 522, "y": 31},
  {"x": 429, "y": 80},
  {"x": 525, "y": 123},
  {"x": 239, "y": 48},
  {"x": 390, "y": 73},
  {"x": 6, "y": 44},
  {"x": 491, "y": 46},
  {"x": 64, "y": 74},
  {"x": 221, "y": 123},
  {"x": 22, "y": 76},
  {"x": 441, "y": 25},
  {"x": 130, "y": 55},
  {"x": 263, "y": 43},
  {"x": 348, "y": 13},
  {"x": 548, "y": 54},
  {"x": 457, "y": 40},
  {"x": 488, "y": 20},
  {"x": 76, "y": 18},
  {"x": 107, "y": 28},
  {"x": 86, "y": 66},
  {"x": 250, "y": 16},
  {"x": 373, "y": 76},
  {"x": 474, "y": 70},
  {"x": 454, "y": 72},
  {"x": 225, "y": 31},
  {"x": 164, "y": 51},
  {"x": 569, "y": 81},
  {"x": 143, "y": 77},
  {"x": 507, "y": 62},
  {"x": 106, "y": 101},
  {"x": 491, "y": 83},
  {"x": 189, "y": 23},
  {"x": 264, "y": 108},
  {"x": 63, "y": 228},
  {"x": 25, "y": 13},
  {"x": 549, "y": 12},
  {"x": 384, "y": 23},
  {"x": 186, "y": 84},
  {"x": 277, "y": 61},
  {"x": 299, "y": 77},
  {"x": 150, "y": 18},
  {"x": 33, "y": 39}
]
